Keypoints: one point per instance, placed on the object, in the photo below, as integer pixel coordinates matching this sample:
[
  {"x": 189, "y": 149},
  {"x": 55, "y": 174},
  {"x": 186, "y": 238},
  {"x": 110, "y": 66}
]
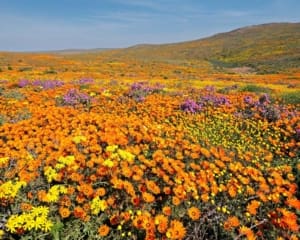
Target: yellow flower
[
  {"x": 106, "y": 93},
  {"x": 50, "y": 173},
  {"x": 78, "y": 139},
  {"x": 59, "y": 166},
  {"x": 54, "y": 192},
  {"x": 111, "y": 148},
  {"x": 41, "y": 210},
  {"x": 108, "y": 163},
  {"x": 65, "y": 161},
  {"x": 1, "y": 233},
  {"x": 10, "y": 189},
  {"x": 126, "y": 155},
  {"x": 98, "y": 205},
  {"x": 35, "y": 219},
  {"x": 3, "y": 160}
]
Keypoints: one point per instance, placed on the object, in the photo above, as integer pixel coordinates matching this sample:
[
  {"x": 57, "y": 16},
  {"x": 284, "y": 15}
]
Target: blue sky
[{"x": 27, "y": 25}]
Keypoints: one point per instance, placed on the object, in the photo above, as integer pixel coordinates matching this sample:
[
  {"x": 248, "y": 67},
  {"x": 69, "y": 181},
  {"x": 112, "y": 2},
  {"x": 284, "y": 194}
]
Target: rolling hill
[{"x": 265, "y": 48}]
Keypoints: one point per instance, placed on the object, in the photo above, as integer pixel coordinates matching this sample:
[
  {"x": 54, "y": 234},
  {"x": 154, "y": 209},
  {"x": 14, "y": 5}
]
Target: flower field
[{"x": 92, "y": 159}]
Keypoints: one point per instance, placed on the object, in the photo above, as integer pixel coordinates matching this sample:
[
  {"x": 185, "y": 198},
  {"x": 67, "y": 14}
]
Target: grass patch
[
  {"x": 255, "y": 89},
  {"x": 291, "y": 97}
]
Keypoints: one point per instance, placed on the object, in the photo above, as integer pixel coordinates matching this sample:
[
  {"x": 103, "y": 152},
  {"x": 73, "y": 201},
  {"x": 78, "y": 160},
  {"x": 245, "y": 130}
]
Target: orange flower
[
  {"x": 148, "y": 197},
  {"x": 293, "y": 202},
  {"x": 100, "y": 192},
  {"x": 114, "y": 219},
  {"x": 167, "y": 190},
  {"x": 64, "y": 212},
  {"x": 205, "y": 197},
  {"x": 86, "y": 189},
  {"x": 65, "y": 201},
  {"x": 162, "y": 223},
  {"x": 194, "y": 213},
  {"x": 148, "y": 224},
  {"x": 231, "y": 222},
  {"x": 138, "y": 221},
  {"x": 252, "y": 207},
  {"x": 205, "y": 152},
  {"x": 151, "y": 186},
  {"x": 176, "y": 230},
  {"x": 176, "y": 201},
  {"x": 79, "y": 213},
  {"x": 25, "y": 206},
  {"x": 246, "y": 231},
  {"x": 167, "y": 210},
  {"x": 103, "y": 230},
  {"x": 289, "y": 220}
]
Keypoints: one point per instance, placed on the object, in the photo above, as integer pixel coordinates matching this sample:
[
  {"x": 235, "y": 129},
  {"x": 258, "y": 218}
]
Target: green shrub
[
  {"x": 255, "y": 89},
  {"x": 2, "y": 119},
  {"x": 50, "y": 71},
  {"x": 291, "y": 97},
  {"x": 25, "y": 69},
  {"x": 14, "y": 94}
]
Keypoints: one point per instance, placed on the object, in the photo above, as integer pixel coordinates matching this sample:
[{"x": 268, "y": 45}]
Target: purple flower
[
  {"x": 190, "y": 106},
  {"x": 73, "y": 97},
  {"x": 3, "y": 81},
  {"x": 83, "y": 81},
  {"x": 248, "y": 100},
  {"x": 210, "y": 88},
  {"x": 298, "y": 132},
  {"x": 264, "y": 99},
  {"x": 139, "y": 90},
  {"x": 47, "y": 84},
  {"x": 23, "y": 83},
  {"x": 214, "y": 100}
]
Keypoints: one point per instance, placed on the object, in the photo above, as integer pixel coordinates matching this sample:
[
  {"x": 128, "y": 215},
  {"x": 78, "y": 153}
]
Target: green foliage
[
  {"x": 25, "y": 69},
  {"x": 291, "y": 97},
  {"x": 22, "y": 115},
  {"x": 14, "y": 94},
  {"x": 2, "y": 119},
  {"x": 255, "y": 89},
  {"x": 50, "y": 71}
]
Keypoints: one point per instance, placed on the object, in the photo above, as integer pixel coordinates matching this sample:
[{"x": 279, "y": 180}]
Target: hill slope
[{"x": 266, "y": 48}]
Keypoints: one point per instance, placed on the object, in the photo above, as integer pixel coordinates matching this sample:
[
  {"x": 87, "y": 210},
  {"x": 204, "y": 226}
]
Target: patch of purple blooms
[
  {"x": 213, "y": 100},
  {"x": 297, "y": 133},
  {"x": 85, "y": 81},
  {"x": 263, "y": 107},
  {"x": 190, "y": 106},
  {"x": 140, "y": 90},
  {"x": 248, "y": 100},
  {"x": 209, "y": 88},
  {"x": 73, "y": 97},
  {"x": 145, "y": 87},
  {"x": 3, "y": 81},
  {"x": 23, "y": 83},
  {"x": 45, "y": 84}
]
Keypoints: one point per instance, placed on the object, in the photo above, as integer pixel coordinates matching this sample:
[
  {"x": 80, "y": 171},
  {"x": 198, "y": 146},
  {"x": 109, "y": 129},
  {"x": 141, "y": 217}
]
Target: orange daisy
[
  {"x": 103, "y": 230},
  {"x": 194, "y": 213}
]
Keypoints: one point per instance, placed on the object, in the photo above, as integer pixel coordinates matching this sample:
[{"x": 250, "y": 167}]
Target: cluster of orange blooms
[{"x": 134, "y": 170}]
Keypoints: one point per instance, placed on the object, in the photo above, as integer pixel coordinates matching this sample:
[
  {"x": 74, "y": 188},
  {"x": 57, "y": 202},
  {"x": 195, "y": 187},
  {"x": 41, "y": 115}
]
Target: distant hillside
[
  {"x": 265, "y": 48},
  {"x": 76, "y": 51}
]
